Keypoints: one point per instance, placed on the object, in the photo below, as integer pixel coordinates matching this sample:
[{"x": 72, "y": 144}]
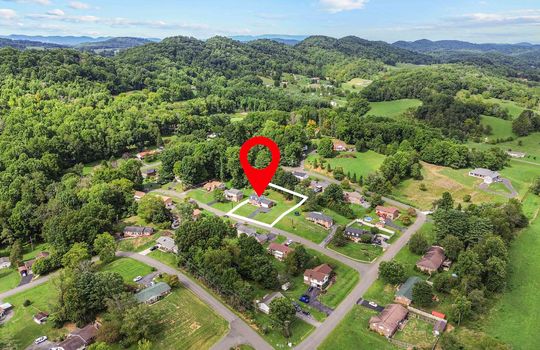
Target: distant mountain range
[
  {"x": 425, "y": 46},
  {"x": 113, "y": 44},
  {"x": 280, "y": 38}
]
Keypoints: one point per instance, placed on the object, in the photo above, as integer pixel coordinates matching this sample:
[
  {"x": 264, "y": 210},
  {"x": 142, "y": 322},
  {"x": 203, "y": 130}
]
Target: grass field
[
  {"x": 21, "y": 327},
  {"x": 356, "y": 84},
  {"x": 500, "y": 128},
  {"x": 358, "y": 251},
  {"x": 303, "y": 228},
  {"x": 281, "y": 205},
  {"x": 521, "y": 302},
  {"x": 128, "y": 268},
  {"x": 203, "y": 196},
  {"x": 439, "y": 179},
  {"x": 529, "y": 144},
  {"x": 299, "y": 331},
  {"x": 9, "y": 278},
  {"x": 417, "y": 332},
  {"x": 353, "y": 333},
  {"x": 360, "y": 163},
  {"x": 392, "y": 109},
  {"x": 188, "y": 323},
  {"x": 513, "y": 108}
]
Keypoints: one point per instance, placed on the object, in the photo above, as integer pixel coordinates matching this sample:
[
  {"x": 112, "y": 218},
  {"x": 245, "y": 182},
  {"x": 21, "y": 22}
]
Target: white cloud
[
  {"x": 77, "y": 5},
  {"x": 56, "y": 12},
  {"x": 335, "y": 6},
  {"x": 7, "y": 14},
  {"x": 519, "y": 17}
]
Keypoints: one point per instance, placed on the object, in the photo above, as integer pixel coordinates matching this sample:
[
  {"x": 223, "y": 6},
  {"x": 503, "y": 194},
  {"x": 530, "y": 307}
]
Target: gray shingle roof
[
  {"x": 319, "y": 216},
  {"x": 152, "y": 292},
  {"x": 406, "y": 288}
]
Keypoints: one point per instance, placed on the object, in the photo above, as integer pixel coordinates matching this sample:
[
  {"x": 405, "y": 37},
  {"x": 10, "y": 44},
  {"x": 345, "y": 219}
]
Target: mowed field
[
  {"x": 356, "y": 84},
  {"x": 392, "y": 109},
  {"x": 359, "y": 163},
  {"x": 128, "y": 268},
  {"x": 500, "y": 128},
  {"x": 438, "y": 180},
  {"x": 515, "y": 317},
  {"x": 529, "y": 144},
  {"x": 188, "y": 323}
]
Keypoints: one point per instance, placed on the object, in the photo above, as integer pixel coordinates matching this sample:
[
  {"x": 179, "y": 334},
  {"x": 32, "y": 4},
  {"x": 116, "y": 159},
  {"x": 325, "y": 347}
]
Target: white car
[
  {"x": 289, "y": 242},
  {"x": 137, "y": 279},
  {"x": 40, "y": 340},
  {"x": 373, "y": 304}
]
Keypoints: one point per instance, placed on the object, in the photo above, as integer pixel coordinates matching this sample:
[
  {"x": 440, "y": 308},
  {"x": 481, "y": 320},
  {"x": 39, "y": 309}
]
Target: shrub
[{"x": 27, "y": 303}]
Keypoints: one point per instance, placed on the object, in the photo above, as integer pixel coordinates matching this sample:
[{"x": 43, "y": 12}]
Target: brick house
[
  {"x": 318, "y": 277},
  {"x": 387, "y": 212},
  {"x": 320, "y": 219}
]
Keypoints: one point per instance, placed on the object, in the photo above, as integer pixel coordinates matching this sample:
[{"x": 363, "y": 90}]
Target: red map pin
[{"x": 259, "y": 178}]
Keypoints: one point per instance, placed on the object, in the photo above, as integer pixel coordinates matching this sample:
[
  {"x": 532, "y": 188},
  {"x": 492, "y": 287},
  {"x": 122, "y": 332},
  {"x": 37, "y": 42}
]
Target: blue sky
[{"x": 389, "y": 20}]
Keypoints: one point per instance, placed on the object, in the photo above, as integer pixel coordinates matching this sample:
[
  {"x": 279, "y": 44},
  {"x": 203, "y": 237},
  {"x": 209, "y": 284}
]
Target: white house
[
  {"x": 487, "y": 175},
  {"x": 166, "y": 244},
  {"x": 4, "y": 262},
  {"x": 318, "y": 277},
  {"x": 264, "y": 304}
]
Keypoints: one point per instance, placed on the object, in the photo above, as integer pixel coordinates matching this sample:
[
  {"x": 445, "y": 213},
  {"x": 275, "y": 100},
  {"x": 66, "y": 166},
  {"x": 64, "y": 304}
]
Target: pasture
[
  {"x": 392, "y": 109},
  {"x": 128, "y": 268},
  {"x": 359, "y": 163},
  {"x": 500, "y": 128}
]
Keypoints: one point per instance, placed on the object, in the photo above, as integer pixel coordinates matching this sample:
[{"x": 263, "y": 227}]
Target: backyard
[
  {"x": 128, "y": 268},
  {"x": 281, "y": 205},
  {"x": 416, "y": 332}
]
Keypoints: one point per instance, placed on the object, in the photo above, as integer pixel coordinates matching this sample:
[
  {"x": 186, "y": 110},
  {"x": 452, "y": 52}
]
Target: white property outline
[{"x": 239, "y": 217}]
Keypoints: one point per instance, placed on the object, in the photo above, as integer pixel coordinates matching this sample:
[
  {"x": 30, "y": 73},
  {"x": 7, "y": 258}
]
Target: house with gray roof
[
  {"x": 233, "y": 195},
  {"x": 356, "y": 234},
  {"x": 261, "y": 201},
  {"x": 320, "y": 219},
  {"x": 151, "y": 294},
  {"x": 138, "y": 231},
  {"x": 487, "y": 175},
  {"x": 404, "y": 293},
  {"x": 167, "y": 244},
  {"x": 318, "y": 186},
  {"x": 300, "y": 175},
  {"x": 264, "y": 304}
]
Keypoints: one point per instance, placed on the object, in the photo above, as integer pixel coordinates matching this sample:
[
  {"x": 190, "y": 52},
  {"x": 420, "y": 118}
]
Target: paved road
[
  {"x": 368, "y": 272},
  {"x": 328, "y": 238},
  {"x": 240, "y": 332},
  {"x": 30, "y": 285}
]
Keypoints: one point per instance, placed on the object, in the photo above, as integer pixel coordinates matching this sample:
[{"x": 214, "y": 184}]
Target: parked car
[
  {"x": 306, "y": 312},
  {"x": 289, "y": 242},
  {"x": 310, "y": 289},
  {"x": 137, "y": 279},
  {"x": 374, "y": 304},
  {"x": 40, "y": 340},
  {"x": 153, "y": 248},
  {"x": 304, "y": 298}
]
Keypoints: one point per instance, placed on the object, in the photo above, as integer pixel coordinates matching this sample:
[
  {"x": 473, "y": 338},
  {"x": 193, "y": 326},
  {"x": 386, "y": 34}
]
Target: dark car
[
  {"x": 304, "y": 298},
  {"x": 296, "y": 213},
  {"x": 310, "y": 289},
  {"x": 153, "y": 248},
  {"x": 306, "y": 312}
]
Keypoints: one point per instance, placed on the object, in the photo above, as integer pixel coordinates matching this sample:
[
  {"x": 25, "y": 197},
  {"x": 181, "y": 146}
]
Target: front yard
[
  {"x": 358, "y": 251},
  {"x": 128, "y": 268}
]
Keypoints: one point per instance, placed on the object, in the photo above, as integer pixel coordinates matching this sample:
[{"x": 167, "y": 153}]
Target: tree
[
  {"x": 468, "y": 264},
  {"x": 452, "y": 247},
  {"x": 339, "y": 239},
  {"x": 422, "y": 294},
  {"x": 535, "y": 188},
  {"x": 449, "y": 341},
  {"x": 444, "y": 282},
  {"x": 219, "y": 195},
  {"x": 282, "y": 313},
  {"x": 392, "y": 272},
  {"x": 77, "y": 254},
  {"x": 495, "y": 274},
  {"x": 139, "y": 322},
  {"x": 172, "y": 280},
  {"x": 99, "y": 346},
  {"x": 144, "y": 344},
  {"x": 325, "y": 148},
  {"x": 460, "y": 309},
  {"x": 16, "y": 254},
  {"x": 446, "y": 202},
  {"x": 418, "y": 244},
  {"x": 152, "y": 209},
  {"x": 297, "y": 260},
  {"x": 523, "y": 125},
  {"x": 105, "y": 246}
]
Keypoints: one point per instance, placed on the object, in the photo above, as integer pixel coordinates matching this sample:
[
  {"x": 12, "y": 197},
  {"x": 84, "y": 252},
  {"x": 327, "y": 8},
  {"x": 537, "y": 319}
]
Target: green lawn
[
  {"x": 128, "y": 268},
  {"x": 359, "y": 163},
  {"x": 299, "y": 331},
  {"x": 188, "y": 323},
  {"x": 356, "y": 84},
  {"x": 358, "y": 251},
  {"x": 353, "y": 333},
  {"x": 21, "y": 327},
  {"x": 281, "y": 205},
  {"x": 500, "y": 128},
  {"x": 203, "y": 196},
  {"x": 166, "y": 258},
  {"x": 9, "y": 278},
  {"x": 300, "y": 226},
  {"x": 528, "y": 144},
  {"x": 417, "y": 332},
  {"x": 513, "y": 108},
  {"x": 138, "y": 244},
  {"x": 392, "y": 109},
  {"x": 521, "y": 301},
  {"x": 30, "y": 253}
]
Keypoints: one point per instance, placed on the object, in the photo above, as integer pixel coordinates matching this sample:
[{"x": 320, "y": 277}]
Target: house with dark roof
[
  {"x": 356, "y": 234},
  {"x": 404, "y": 294},
  {"x": 389, "y": 320},
  {"x": 41, "y": 317},
  {"x": 153, "y": 293},
  {"x": 149, "y": 173},
  {"x": 300, "y": 175},
  {"x": 318, "y": 186},
  {"x": 432, "y": 260},
  {"x": 138, "y": 231},
  {"x": 318, "y": 276},
  {"x": 81, "y": 338},
  {"x": 320, "y": 219},
  {"x": 233, "y": 195},
  {"x": 279, "y": 251},
  {"x": 261, "y": 202}
]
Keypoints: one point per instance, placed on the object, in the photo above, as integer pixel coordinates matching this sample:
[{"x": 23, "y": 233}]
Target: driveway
[
  {"x": 46, "y": 345},
  {"x": 26, "y": 279},
  {"x": 365, "y": 303},
  {"x": 258, "y": 211},
  {"x": 393, "y": 225},
  {"x": 148, "y": 278},
  {"x": 315, "y": 303},
  {"x": 328, "y": 238}
]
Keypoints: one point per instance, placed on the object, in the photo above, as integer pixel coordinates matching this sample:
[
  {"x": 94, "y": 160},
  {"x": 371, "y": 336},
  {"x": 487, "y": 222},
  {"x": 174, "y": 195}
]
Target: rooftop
[
  {"x": 319, "y": 216},
  {"x": 485, "y": 172},
  {"x": 152, "y": 292},
  {"x": 406, "y": 288}
]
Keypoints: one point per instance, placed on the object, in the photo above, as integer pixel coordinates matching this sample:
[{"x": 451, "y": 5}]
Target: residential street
[{"x": 368, "y": 272}]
